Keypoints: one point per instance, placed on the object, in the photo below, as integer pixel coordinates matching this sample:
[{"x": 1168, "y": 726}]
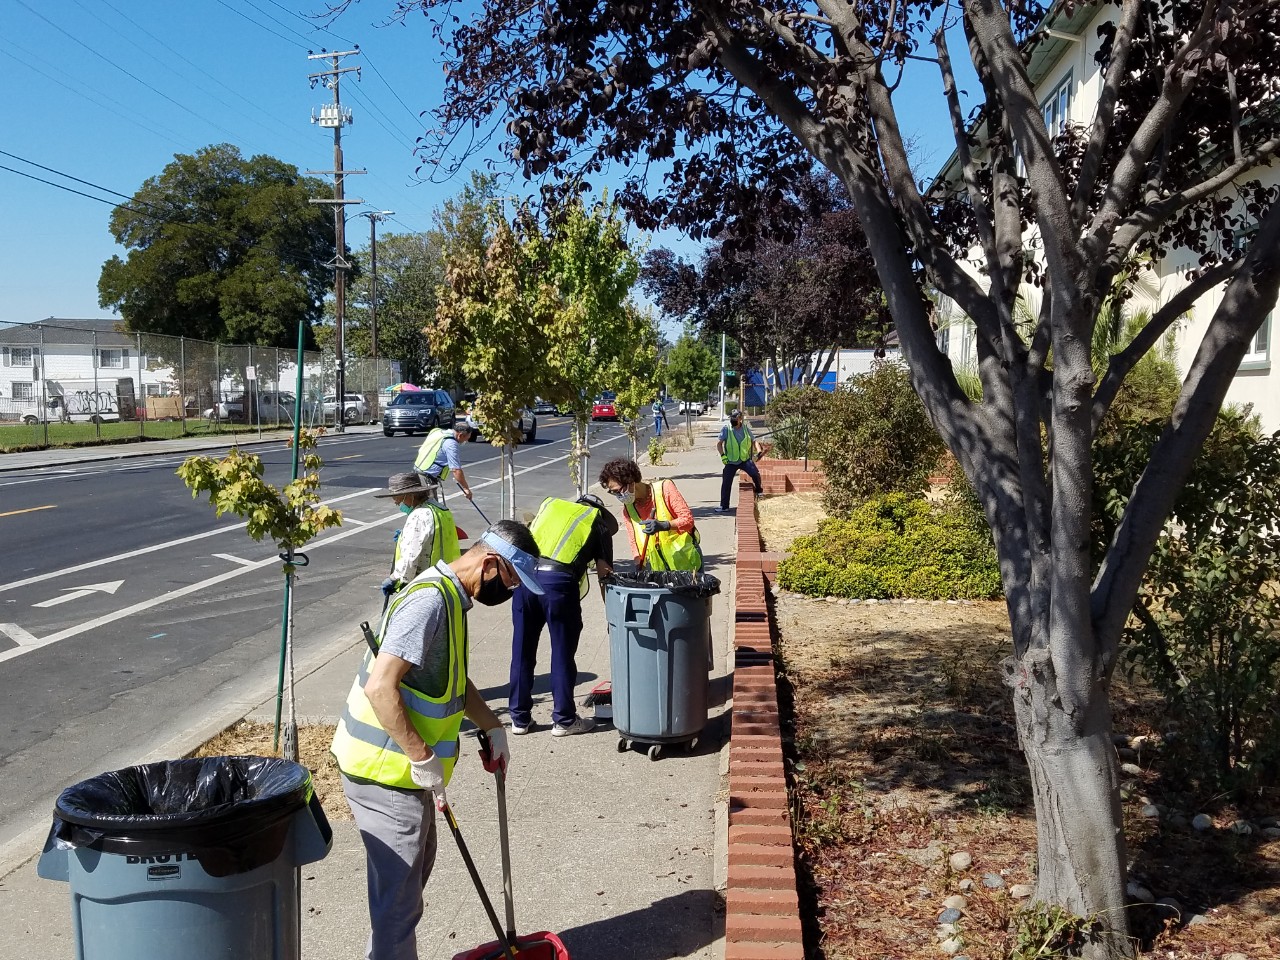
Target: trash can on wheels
[
  {"x": 195, "y": 859},
  {"x": 660, "y": 656}
]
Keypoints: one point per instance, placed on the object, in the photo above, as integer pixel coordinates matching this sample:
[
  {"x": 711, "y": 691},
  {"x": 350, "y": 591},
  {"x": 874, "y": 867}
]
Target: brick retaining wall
[{"x": 762, "y": 919}]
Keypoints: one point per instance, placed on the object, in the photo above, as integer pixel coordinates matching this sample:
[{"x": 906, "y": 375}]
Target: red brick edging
[{"x": 762, "y": 920}]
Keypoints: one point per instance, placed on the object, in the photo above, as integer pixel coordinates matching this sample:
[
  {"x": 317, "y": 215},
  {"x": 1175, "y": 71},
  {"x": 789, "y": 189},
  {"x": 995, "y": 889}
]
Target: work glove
[
  {"x": 388, "y": 586},
  {"x": 395, "y": 537},
  {"x": 653, "y": 526},
  {"x": 498, "y": 754},
  {"x": 725, "y": 459},
  {"x": 429, "y": 775}
]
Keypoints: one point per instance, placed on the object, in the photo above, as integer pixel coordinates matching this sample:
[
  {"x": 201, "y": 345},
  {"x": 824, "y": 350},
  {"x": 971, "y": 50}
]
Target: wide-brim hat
[{"x": 401, "y": 484}]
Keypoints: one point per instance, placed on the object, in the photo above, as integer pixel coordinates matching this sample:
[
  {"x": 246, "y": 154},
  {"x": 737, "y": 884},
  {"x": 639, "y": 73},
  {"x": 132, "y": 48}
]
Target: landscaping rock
[
  {"x": 1242, "y": 827},
  {"x": 1137, "y": 891},
  {"x": 951, "y": 947},
  {"x": 1127, "y": 753},
  {"x": 1120, "y": 740},
  {"x": 1020, "y": 891},
  {"x": 949, "y": 915},
  {"x": 966, "y": 884},
  {"x": 955, "y": 902},
  {"x": 1179, "y": 821},
  {"x": 961, "y": 861},
  {"x": 993, "y": 881},
  {"x": 1265, "y": 822},
  {"x": 1271, "y": 833},
  {"x": 1197, "y": 920},
  {"x": 1131, "y": 769},
  {"x": 1234, "y": 956},
  {"x": 1202, "y": 821},
  {"x": 1151, "y": 811},
  {"x": 1170, "y": 905}
]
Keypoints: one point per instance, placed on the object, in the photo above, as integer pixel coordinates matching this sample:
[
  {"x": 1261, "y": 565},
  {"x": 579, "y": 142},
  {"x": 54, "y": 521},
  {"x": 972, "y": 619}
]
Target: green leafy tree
[
  {"x": 637, "y": 376},
  {"x": 590, "y": 270},
  {"x": 692, "y": 371},
  {"x": 491, "y": 322},
  {"x": 221, "y": 248}
]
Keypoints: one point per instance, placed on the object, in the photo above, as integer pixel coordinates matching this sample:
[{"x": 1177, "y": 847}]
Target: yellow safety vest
[
  {"x": 667, "y": 549},
  {"x": 444, "y": 542},
  {"x": 561, "y": 529},
  {"x": 362, "y": 749},
  {"x": 430, "y": 449},
  {"x": 738, "y": 451}
]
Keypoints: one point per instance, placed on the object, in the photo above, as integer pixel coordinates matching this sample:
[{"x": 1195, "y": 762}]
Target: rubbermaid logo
[{"x": 164, "y": 873}]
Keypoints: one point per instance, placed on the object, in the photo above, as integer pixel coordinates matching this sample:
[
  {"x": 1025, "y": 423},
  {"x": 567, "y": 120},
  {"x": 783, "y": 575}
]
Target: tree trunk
[{"x": 1072, "y": 767}]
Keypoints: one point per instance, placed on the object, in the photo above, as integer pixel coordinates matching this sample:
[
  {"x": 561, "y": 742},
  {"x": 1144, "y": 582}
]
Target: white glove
[
  {"x": 429, "y": 775},
  {"x": 499, "y": 750}
]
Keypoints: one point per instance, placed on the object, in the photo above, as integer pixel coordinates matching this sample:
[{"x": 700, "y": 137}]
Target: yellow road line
[
  {"x": 13, "y": 513},
  {"x": 353, "y": 456}
]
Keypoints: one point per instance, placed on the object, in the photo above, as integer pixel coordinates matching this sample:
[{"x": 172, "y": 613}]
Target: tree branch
[
  {"x": 1248, "y": 299},
  {"x": 1121, "y": 363},
  {"x": 1092, "y": 163}
]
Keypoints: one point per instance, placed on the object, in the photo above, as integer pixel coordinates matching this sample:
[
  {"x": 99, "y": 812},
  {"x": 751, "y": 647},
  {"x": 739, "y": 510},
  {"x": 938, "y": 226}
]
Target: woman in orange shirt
[{"x": 659, "y": 522}]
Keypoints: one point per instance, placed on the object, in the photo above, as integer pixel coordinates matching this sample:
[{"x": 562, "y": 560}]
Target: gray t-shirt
[{"x": 418, "y": 626}]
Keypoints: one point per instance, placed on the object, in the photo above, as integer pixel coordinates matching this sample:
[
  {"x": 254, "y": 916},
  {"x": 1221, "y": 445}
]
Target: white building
[{"x": 1068, "y": 83}]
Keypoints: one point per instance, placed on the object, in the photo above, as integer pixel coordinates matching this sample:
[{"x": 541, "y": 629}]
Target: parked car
[
  {"x": 528, "y": 426},
  {"x": 544, "y": 408},
  {"x": 273, "y": 407},
  {"x": 354, "y": 409},
  {"x": 695, "y": 407},
  {"x": 422, "y": 410},
  {"x": 604, "y": 408}
]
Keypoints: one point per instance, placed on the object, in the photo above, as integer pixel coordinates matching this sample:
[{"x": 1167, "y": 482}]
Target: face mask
[
  {"x": 405, "y": 508},
  {"x": 493, "y": 591},
  {"x": 626, "y": 496}
]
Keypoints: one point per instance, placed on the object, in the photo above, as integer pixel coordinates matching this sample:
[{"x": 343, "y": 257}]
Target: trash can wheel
[
  {"x": 691, "y": 745},
  {"x": 655, "y": 751},
  {"x": 623, "y": 745}
]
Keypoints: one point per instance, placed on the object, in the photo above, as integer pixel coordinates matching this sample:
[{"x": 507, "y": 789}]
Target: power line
[
  {"x": 127, "y": 73},
  {"x": 263, "y": 26}
]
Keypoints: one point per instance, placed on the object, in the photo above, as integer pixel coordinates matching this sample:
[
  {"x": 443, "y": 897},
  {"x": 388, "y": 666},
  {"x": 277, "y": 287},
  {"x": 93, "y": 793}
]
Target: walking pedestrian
[
  {"x": 659, "y": 417},
  {"x": 439, "y": 452},
  {"x": 660, "y": 524},
  {"x": 429, "y": 534},
  {"x": 737, "y": 449},
  {"x": 571, "y": 535},
  {"x": 397, "y": 740}
]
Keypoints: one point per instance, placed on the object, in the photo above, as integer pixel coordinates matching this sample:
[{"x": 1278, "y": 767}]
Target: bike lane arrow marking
[{"x": 78, "y": 592}]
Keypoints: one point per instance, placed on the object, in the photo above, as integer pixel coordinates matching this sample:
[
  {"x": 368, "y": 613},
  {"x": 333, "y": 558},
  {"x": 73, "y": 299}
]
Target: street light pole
[{"x": 374, "y": 217}]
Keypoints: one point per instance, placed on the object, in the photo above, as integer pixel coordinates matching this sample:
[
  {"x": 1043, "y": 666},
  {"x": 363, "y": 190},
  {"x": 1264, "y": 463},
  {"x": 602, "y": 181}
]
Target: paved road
[{"x": 128, "y": 611}]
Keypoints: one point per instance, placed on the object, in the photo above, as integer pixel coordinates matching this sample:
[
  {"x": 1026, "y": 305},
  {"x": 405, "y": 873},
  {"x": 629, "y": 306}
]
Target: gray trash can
[
  {"x": 187, "y": 858},
  {"x": 660, "y": 656}
]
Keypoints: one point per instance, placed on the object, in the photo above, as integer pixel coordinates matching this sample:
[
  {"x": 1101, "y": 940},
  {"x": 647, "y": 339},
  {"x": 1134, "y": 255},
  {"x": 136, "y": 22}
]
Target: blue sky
[{"x": 109, "y": 90}]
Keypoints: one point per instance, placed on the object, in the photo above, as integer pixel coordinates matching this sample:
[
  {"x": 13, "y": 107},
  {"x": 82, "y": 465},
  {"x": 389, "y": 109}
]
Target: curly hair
[{"x": 621, "y": 471}]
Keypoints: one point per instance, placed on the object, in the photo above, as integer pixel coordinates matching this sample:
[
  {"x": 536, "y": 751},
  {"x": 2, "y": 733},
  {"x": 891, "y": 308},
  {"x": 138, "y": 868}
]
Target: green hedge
[{"x": 894, "y": 546}]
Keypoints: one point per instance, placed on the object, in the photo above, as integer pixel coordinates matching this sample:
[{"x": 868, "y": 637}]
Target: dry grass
[
  {"x": 906, "y": 752},
  {"x": 784, "y": 518},
  {"x": 252, "y": 739}
]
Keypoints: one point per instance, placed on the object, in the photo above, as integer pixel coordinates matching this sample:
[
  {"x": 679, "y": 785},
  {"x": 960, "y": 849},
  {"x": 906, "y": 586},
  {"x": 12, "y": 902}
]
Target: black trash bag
[
  {"x": 231, "y": 814},
  {"x": 687, "y": 583}
]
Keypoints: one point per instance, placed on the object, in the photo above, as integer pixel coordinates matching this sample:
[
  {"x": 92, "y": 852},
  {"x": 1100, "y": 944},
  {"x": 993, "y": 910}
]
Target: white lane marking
[
  {"x": 73, "y": 631},
  {"x": 17, "y": 634},
  {"x": 234, "y": 559},
  {"x": 77, "y": 592},
  {"x": 159, "y": 546}
]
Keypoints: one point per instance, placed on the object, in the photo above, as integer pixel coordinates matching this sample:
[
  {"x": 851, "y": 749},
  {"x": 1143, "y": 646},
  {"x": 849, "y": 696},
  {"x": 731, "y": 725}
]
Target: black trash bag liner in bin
[
  {"x": 232, "y": 814},
  {"x": 687, "y": 583}
]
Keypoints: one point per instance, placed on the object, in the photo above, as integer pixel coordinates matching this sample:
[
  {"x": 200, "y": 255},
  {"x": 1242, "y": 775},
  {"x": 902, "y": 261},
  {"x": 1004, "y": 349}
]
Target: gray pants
[{"x": 398, "y": 828}]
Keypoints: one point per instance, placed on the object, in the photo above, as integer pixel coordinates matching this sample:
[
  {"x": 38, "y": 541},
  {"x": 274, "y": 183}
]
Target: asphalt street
[{"x": 127, "y": 609}]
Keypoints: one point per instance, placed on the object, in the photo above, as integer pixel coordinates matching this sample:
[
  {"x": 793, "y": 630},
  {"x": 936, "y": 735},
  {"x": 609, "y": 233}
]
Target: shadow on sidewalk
[{"x": 678, "y": 926}]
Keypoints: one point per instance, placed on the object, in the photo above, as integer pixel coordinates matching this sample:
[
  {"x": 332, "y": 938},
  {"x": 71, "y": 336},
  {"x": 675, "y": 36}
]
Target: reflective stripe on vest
[
  {"x": 562, "y": 528},
  {"x": 667, "y": 549},
  {"x": 444, "y": 538},
  {"x": 362, "y": 749},
  {"x": 738, "y": 451},
  {"x": 430, "y": 449}
]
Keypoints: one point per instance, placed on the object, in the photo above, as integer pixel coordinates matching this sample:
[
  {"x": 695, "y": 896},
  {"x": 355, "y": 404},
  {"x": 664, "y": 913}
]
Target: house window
[
  {"x": 18, "y": 356},
  {"x": 1055, "y": 109},
  {"x": 1258, "y": 355},
  {"x": 944, "y": 339},
  {"x": 113, "y": 359},
  {"x": 24, "y": 391}
]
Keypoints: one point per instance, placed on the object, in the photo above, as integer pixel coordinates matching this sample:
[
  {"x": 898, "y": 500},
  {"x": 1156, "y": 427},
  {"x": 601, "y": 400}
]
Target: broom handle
[{"x": 475, "y": 878}]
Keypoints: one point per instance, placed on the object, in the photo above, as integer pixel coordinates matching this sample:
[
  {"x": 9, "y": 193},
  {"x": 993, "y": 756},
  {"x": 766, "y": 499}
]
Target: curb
[{"x": 762, "y": 907}]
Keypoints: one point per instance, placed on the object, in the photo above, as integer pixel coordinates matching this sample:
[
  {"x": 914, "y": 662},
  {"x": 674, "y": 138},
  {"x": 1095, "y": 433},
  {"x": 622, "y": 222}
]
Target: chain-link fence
[{"x": 83, "y": 381}]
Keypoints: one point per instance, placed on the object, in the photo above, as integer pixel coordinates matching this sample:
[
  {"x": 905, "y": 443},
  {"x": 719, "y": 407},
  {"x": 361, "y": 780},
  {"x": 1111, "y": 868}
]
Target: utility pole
[
  {"x": 374, "y": 217},
  {"x": 723, "y": 412},
  {"x": 333, "y": 115}
]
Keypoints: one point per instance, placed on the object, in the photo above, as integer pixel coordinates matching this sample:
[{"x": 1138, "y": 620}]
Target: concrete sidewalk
[{"x": 623, "y": 857}]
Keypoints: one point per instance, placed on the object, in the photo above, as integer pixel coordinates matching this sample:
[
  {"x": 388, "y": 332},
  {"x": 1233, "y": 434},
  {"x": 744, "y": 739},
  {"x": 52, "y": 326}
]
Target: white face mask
[{"x": 626, "y": 496}]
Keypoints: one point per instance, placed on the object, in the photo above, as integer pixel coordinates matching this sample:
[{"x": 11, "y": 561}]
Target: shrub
[
  {"x": 893, "y": 546},
  {"x": 790, "y": 439},
  {"x": 1205, "y": 627},
  {"x": 873, "y": 438},
  {"x": 657, "y": 450}
]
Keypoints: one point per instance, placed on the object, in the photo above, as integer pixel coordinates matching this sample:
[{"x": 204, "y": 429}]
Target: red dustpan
[{"x": 531, "y": 946}]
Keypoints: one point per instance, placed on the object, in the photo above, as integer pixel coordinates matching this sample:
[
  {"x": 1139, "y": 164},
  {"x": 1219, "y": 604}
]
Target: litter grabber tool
[
  {"x": 533, "y": 946},
  {"x": 477, "y": 506}
]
